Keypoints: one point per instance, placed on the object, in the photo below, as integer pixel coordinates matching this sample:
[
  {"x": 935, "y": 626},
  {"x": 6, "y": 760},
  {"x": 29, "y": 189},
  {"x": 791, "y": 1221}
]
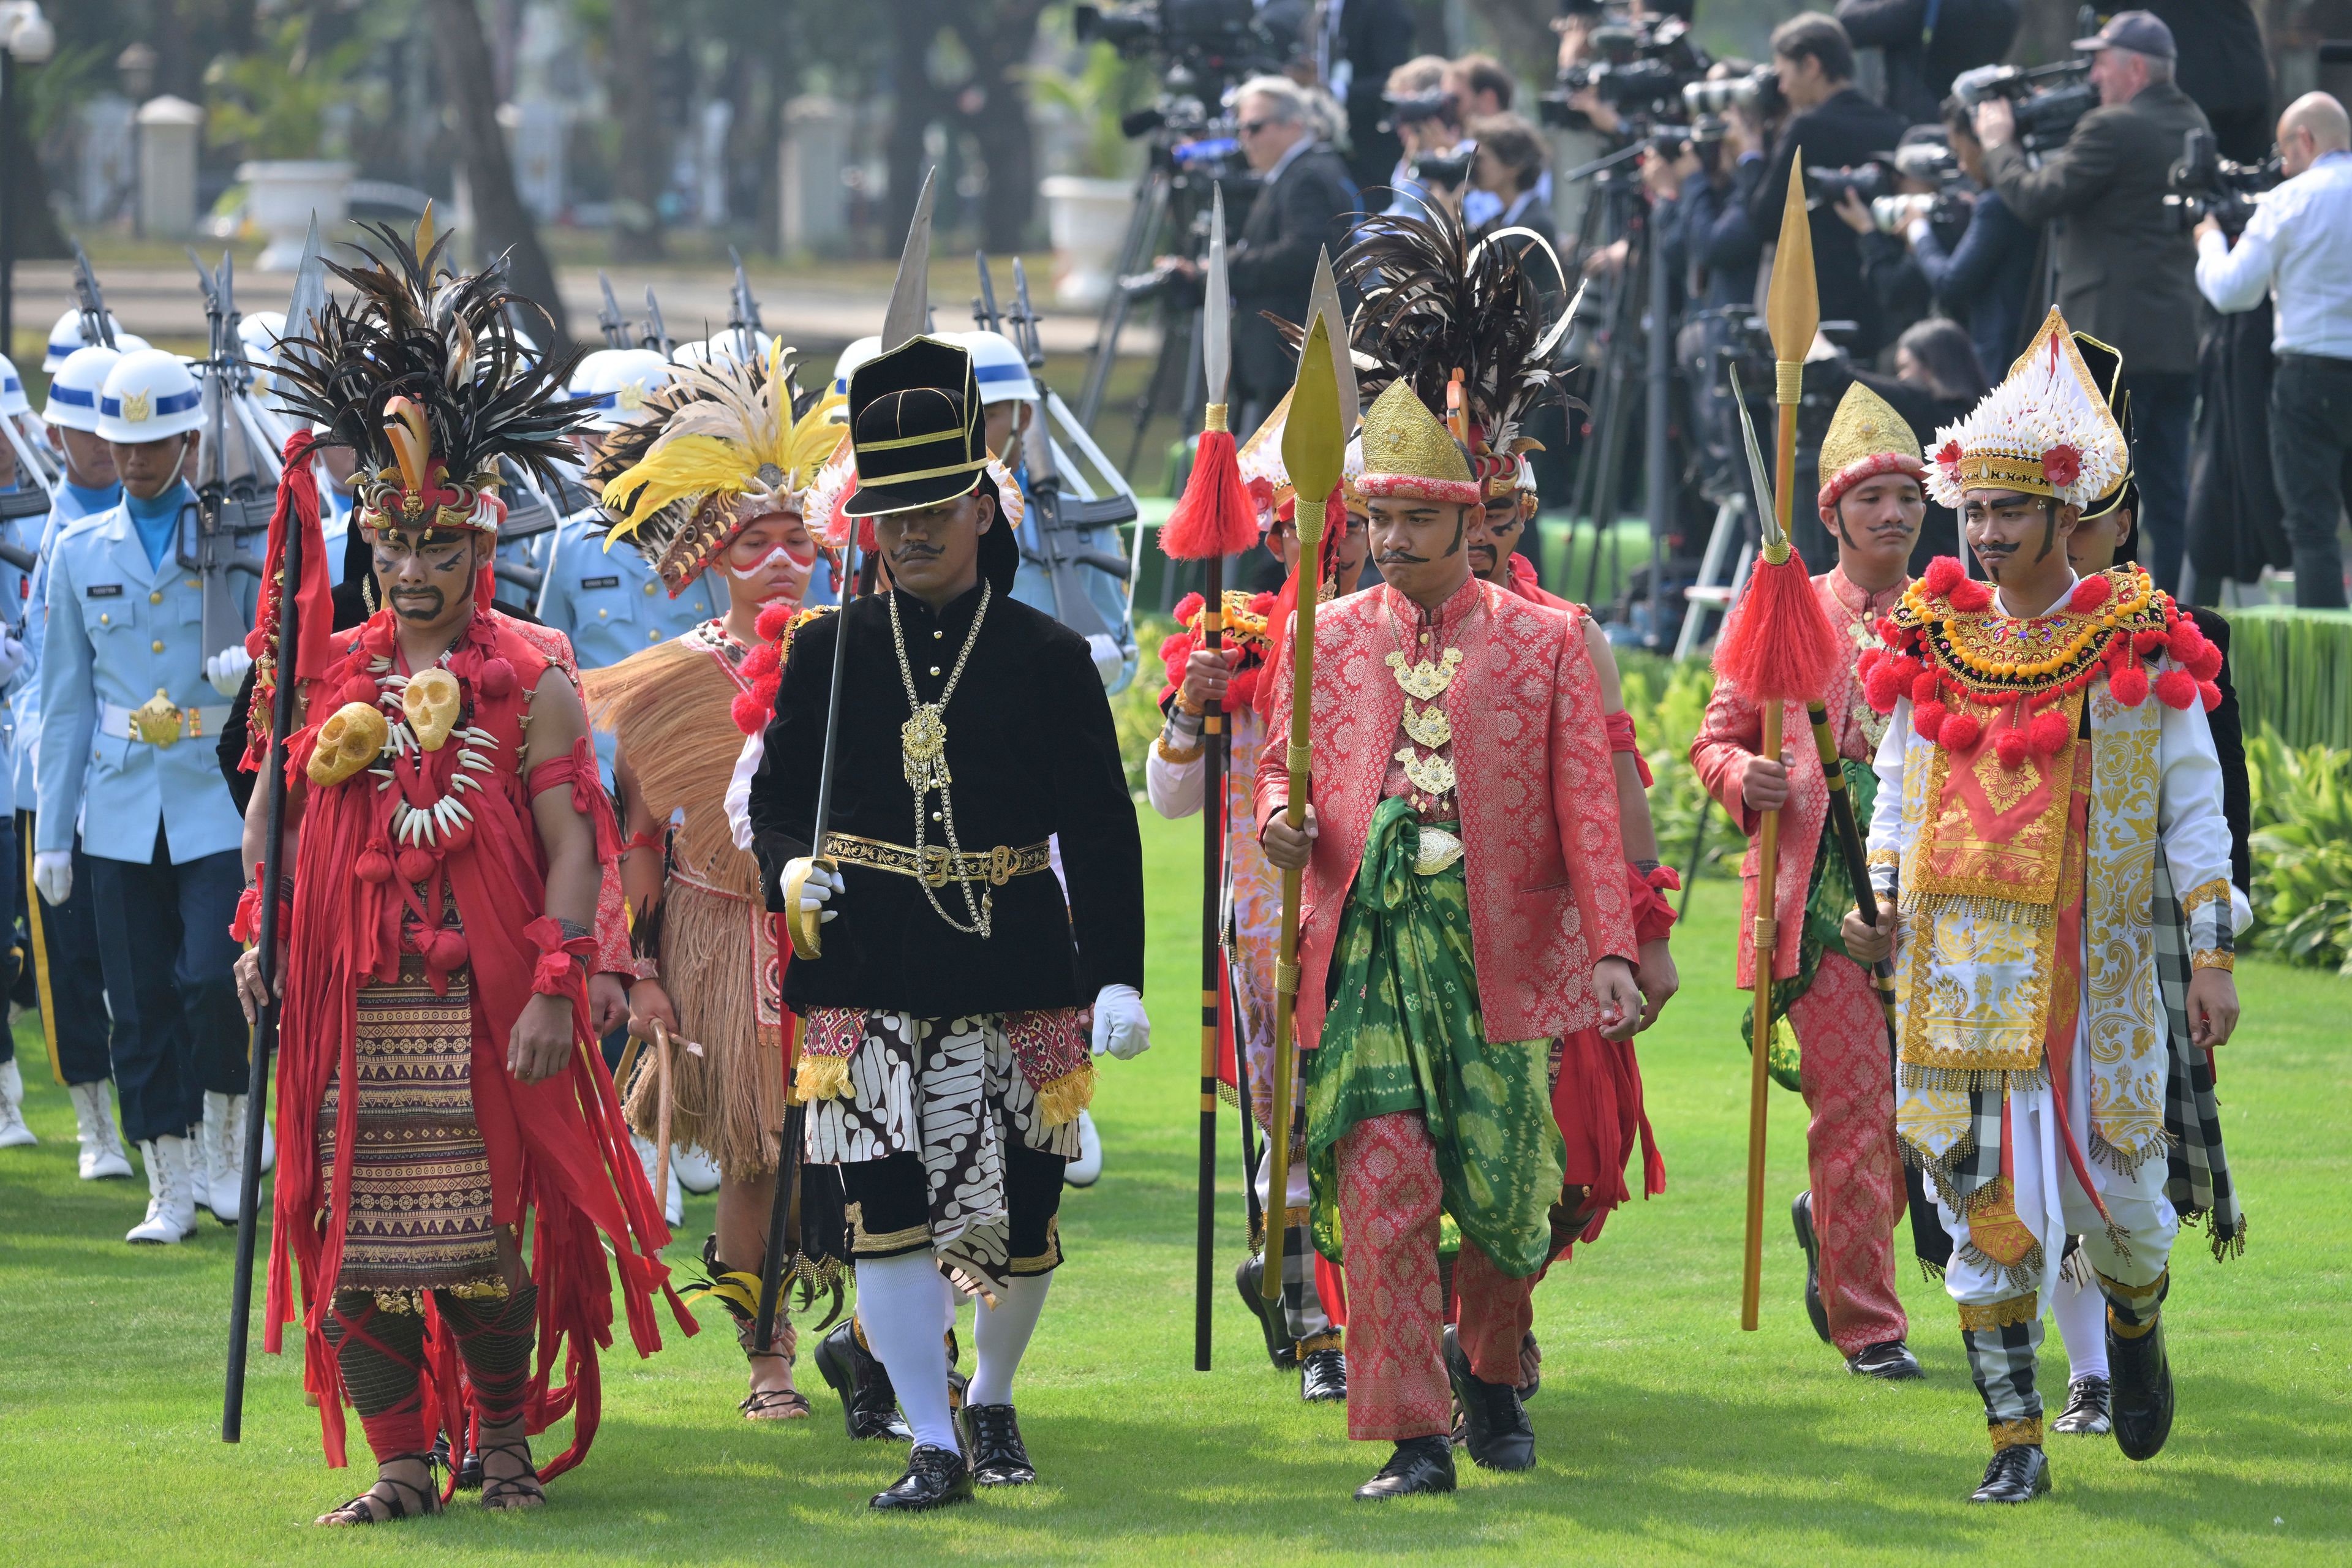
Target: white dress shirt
[{"x": 2294, "y": 249}]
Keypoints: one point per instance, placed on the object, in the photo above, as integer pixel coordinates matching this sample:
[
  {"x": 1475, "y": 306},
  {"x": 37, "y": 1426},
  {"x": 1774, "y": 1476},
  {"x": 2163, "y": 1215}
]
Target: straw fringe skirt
[{"x": 720, "y": 965}]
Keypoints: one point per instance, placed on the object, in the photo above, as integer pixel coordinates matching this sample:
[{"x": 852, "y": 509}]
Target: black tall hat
[{"x": 916, "y": 427}]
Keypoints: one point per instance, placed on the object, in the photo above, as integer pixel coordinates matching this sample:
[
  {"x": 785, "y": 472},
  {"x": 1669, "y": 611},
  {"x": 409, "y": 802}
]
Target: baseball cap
[{"x": 2141, "y": 32}]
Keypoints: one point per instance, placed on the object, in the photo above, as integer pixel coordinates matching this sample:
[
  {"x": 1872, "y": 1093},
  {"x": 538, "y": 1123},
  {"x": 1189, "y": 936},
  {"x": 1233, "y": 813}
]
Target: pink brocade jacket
[
  {"x": 1545, "y": 866},
  {"x": 1733, "y": 730}
]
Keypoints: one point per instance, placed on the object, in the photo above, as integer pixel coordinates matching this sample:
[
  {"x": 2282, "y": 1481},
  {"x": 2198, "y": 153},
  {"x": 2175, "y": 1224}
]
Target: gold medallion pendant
[
  {"x": 923, "y": 743},
  {"x": 1426, "y": 680}
]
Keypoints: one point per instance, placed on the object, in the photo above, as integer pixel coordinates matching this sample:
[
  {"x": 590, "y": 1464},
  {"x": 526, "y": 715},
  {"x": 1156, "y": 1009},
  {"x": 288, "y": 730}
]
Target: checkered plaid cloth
[{"x": 2198, "y": 1181}]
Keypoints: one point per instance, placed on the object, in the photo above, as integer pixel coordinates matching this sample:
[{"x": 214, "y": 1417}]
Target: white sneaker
[
  {"x": 1087, "y": 1169},
  {"x": 204, "y": 1170},
  {"x": 103, "y": 1158},
  {"x": 674, "y": 1201},
  {"x": 268, "y": 1146},
  {"x": 696, "y": 1171},
  {"x": 14, "y": 1134},
  {"x": 228, "y": 1173},
  {"x": 171, "y": 1202}
]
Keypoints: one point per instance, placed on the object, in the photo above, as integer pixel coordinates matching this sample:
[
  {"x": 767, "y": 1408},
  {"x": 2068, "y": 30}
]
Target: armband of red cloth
[
  {"x": 1623, "y": 738},
  {"x": 246, "y": 926},
  {"x": 1646, "y": 895},
  {"x": 557, "y": 954}
]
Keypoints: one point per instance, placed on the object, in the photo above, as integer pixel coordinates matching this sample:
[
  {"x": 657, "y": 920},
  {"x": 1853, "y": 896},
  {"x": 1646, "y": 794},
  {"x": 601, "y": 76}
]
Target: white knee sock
[
  {"x": 1002, "y": 1333},
  {"x": 2081, "y": 1314},
  {"x": 901, "y": 1301}
]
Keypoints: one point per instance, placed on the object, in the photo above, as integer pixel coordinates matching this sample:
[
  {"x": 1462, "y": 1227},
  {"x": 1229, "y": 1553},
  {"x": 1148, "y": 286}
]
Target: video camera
[
  {"x": 1215, "y": 41},
  {"x": 1642, "y": 71},
  {"x": 1757, "y": 93},
  {"x": 1419, "y": 108},
  {"x": 2206, "y": 184},
  {"x": 2050, "y": 101}
]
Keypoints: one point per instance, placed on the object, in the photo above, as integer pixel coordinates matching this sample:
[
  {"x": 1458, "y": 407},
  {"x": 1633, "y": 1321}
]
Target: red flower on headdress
[
  {"x": 2060, "y": 464},
  {"x": 1948, "y": 454}
]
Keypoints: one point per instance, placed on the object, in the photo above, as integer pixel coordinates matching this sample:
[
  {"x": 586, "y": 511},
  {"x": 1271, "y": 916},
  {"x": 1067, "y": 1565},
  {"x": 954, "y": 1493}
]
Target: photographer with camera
[
  {"x": 1428, "y": 125},
  {"x": 2293, "y": 252},
  {"x": 1983, "y": 280},
  {"x": 1508, "y": 170},
  {"x": 1928, "y": 43},
  {"x": 1305, "y": 201},
  {"x": 2126, "y": 273},
  {"x": 1834, "y": 126},
  {"x": 1356, "y": 43}
]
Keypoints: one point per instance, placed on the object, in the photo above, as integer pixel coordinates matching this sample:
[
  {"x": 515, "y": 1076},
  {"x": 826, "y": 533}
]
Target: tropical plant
[
  {"x": 1096, "y": 95},
  {"x": 1667, "y": 701},
  {"x": 283, "y": 100},
  {"x": 1135, "y": 711},
  {"x": 2301, "y": 843}
]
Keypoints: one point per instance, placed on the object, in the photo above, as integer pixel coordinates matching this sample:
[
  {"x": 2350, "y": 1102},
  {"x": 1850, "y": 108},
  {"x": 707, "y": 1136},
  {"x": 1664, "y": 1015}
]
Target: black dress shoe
[
  {"x": 1280, "y": 1348},
  {"x": 992, "y": 1435},
  {"x": 1889, "y": 1359},
  {"x": 934, "y": 1478},
  {"x": 2018, "y": 1474},
  {"x": 1419, "y": 1465},
  {"x": 2087, "y": 1408},
  {"x": 869, "y": 1406},
  {"x": 1323, "y": 1377},
  {"x": 1494, "y": 1424},
  {"x": 2142, "y": 1407},
  {"x": 1800, "y": 1215}
]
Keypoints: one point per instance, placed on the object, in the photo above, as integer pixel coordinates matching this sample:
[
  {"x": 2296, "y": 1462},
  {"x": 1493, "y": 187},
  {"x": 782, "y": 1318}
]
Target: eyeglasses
[{"x": 1252, "y": 127}]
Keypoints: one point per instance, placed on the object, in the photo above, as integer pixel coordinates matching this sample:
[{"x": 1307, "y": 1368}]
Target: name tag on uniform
[
  {"x": 587, "y": 583},
  {"x": 104, "y": 590}
]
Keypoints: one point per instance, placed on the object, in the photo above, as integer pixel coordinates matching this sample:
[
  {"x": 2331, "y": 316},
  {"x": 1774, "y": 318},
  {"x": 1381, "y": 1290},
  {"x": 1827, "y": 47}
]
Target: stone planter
[
  {"x": 282, "y": 196},
  {"x": 1087, "y": 219}
]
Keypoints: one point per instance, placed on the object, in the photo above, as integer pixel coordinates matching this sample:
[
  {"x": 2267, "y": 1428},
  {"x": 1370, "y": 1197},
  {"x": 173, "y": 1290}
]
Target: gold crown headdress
[
  {"x": 2046, "y": 430},
  {"x": 1409, "y": 453},
  {"x": 1866, "y": 437}
]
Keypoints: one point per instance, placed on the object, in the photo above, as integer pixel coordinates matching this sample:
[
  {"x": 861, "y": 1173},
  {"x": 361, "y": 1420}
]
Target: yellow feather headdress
[{"x": 726, "y": 443}]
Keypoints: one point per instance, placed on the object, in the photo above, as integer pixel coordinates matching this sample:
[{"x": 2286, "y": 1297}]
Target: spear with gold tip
[
  {"x": 1314, "y": 445},
  {"x": 1776, "y": 648}
]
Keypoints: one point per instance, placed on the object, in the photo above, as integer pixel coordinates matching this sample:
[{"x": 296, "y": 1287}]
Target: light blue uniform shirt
[
  {"x": 1032, "y": 585},
  {"x": 18, "y": 531},
  {"x": 612, "y": 604},
  {"x": 70, "y": 504},
  {"x": 120, "y": 629}
]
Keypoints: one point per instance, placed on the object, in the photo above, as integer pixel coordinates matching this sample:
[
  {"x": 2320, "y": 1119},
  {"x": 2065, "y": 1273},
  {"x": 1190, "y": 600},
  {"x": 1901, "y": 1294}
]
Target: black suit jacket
[
  {"x": 1032, "y": 754},
  {"x": 2224, "y": 69},
  {"x": 2230, "y": 745},
  {"x": 1920, "y": 65},
  {"x": 1272, "y": 266},
  {"x": 1845, "y": 130},
  {"x": 1375, "y": 37},
  {"x": 2127, "y": 270}
]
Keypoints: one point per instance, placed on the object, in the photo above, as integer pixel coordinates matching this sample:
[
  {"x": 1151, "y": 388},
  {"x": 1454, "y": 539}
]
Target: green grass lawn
[{"x": 1664, "y": 1433}]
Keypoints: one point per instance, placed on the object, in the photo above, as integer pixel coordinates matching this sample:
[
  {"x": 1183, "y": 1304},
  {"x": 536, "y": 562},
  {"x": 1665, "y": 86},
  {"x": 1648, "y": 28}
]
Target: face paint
[
  {"x": 2049, "y": 527},
  {"x": 775, "y": 557},
  {"x": 1455, "y": 548}
]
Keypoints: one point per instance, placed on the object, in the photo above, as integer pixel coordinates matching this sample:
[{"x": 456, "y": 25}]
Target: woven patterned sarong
[{"x": 420, "y": 1210}]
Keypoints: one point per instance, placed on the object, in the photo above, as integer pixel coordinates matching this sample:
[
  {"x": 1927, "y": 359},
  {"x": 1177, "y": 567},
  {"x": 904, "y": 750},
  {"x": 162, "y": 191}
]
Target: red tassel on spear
[{"x": 1778, "y": 648}]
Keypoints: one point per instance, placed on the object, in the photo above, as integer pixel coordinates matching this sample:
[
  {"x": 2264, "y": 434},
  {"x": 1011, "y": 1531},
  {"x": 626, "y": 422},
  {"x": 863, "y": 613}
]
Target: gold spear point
[{"x": 1793, "y": 308}]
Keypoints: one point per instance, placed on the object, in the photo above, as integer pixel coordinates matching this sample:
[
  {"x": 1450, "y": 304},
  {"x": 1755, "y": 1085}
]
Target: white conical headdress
[{"x": 2046, "y": 430}]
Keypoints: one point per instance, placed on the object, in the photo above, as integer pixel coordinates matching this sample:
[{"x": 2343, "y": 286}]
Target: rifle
[
  {"x": 1058, "y": 518},
  {"x": 983, "y": 305},
  {"x": 656, "y": 336},
  {"x": 614, "y": 325},
  {"x": 97, "y": 325},
  {"x": 213, "y": 533},
  {"x": 743, "y": 312},
  {"x": 309, "y": 295}
]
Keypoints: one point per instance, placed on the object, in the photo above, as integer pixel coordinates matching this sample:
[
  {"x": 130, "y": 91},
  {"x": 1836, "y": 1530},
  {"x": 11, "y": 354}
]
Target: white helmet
[
  {"x": 853, "y": 356},
  {"x": 12, "y": 389},
  {"x": 619, "y": 385},
  {"x": 695, "y": 353},
  {"x": 74, "y": 389},
  {"x": 729, "y": 345},
  {"x": 997, "y": 366},
  {"x": 150, "y": 395},
  {"x": 259, "y": 333},
  {"x": 582, "y": 372},
  {"x": 65, "y": 336}
]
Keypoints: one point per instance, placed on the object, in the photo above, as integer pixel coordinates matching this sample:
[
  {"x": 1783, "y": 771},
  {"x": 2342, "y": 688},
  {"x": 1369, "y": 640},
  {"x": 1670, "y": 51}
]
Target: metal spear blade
[
  {"x": 910, "y": 297},
  {"x": 309, "y": 296},
  {"x": 1323, "y": 299},
  {"x": 1216, "y": 308},
  {"x": 1758, "y": 475}
]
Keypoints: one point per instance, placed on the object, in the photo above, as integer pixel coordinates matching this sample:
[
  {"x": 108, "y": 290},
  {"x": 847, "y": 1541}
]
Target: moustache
[{"x": 1402, "y": 558}]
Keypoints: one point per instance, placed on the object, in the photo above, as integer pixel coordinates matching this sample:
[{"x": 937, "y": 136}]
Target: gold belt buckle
[
  {"x": 1436, "y": 850},
  {"x": 935, "y": 867},
  {"x": 1000, "y": 865},
  {"x": 157, "y": 720}
]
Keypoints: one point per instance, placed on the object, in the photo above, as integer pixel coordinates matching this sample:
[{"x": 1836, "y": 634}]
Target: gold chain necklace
[{"x": 923, "y": 747}]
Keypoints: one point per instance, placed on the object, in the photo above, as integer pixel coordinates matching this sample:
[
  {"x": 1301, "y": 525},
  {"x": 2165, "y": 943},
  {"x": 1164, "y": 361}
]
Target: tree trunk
[
  {"x": 913, "y": 106},
  {"x": 504, "y": 226},
  {"x": 1523, "y": 35},
  {"x": 998, "y": 37},
  {"x": 642, "y": 168}
]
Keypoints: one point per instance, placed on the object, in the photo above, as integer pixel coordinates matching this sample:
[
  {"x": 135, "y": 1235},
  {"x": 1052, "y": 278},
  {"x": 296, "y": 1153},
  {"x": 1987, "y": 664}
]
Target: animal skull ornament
[
  {"x": 431, "y": 701},
  {"x": 349, "y": 740}
]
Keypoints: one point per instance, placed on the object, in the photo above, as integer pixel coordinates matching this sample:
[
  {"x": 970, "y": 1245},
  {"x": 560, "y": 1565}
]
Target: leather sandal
[
  {"x": 360, "y": 1512},
  {"x": 525, "y": 1487}
]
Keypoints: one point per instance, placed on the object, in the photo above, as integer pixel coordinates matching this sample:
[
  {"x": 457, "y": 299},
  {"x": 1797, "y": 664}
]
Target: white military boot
[
  {"x": 103, "y": 1158},
  {"x": 673, "y": 1201},
  {"x": 171, "y": 1199},
  {"x": 14, "y": 1134},
  {"x": 228, "y": 1173},
  {"x": 205, "y": 1164},
  {"x": 696, "y": 1172}
]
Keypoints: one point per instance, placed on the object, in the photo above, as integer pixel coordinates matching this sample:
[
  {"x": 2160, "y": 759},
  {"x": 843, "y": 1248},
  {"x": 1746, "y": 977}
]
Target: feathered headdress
[
  {"x": 1434, "y": 303},
  {"x": 2046, "y": 430},
  {"x": 424, "y": 374},
  {"x": 726, "y": 442}
]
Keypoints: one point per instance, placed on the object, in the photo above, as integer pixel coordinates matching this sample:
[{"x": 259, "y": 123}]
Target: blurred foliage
[
  {"x": 2302, "y": 842},
  {"x": 1136, "y": 711},
  {"x": 285, "y": 100},
  {"x": 1095, "y": 97},
  {"x": 1667, "y": 701}
]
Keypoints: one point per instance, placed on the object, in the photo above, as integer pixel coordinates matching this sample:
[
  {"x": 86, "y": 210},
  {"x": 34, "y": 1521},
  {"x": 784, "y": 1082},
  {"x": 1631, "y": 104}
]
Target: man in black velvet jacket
[{"x": 938, "y": 965}]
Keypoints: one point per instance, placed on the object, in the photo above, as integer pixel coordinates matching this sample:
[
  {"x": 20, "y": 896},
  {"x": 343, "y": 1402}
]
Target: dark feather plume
[{"x": 414, "y": 328}]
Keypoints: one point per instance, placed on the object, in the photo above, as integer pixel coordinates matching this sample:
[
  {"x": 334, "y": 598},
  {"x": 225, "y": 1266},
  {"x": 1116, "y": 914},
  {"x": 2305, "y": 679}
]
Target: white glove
[
  {"x": 1110, "y": 661},
  {"x": 53, "y": 874},
  {"x": 818, "y": 887},
  {"x": 12, "y": 656},
  {"x": 1121, "y": 1026},
  {"x": 226, "y": 670}
]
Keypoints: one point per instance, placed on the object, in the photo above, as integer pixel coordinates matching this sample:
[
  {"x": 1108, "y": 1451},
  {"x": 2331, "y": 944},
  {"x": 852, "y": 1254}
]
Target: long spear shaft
[
  {"x": 1850, "y": 848},
  {"x": 1286, "y": 972},
  {"x": 1213, "y": 887}
]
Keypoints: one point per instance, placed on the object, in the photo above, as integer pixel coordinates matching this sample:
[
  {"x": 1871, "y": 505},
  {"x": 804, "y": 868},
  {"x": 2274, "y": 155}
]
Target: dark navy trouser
[{"x": 163, "y": 941}]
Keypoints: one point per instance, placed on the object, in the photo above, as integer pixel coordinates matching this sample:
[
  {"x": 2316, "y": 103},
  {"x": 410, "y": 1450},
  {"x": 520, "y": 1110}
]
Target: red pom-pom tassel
[
  {"x": 2176, "y": 688},
  {"x": 1928, "y": 720},
  {"x": 414, "y": 864},
  {"x": 2148, "y": 644},
  {"x": 2010, "y": 746},
  {"x": 2184, "y": 640},
  {"x": 1880, "y": 689},
  {"x": 2128, "y": 685},
  {"x": 497, "y": 678},
  {"x": 2206, "y": 665},
  {"x": 2208, "y": 694},
  {"x": 759, "y": 661},
  {"x": 1943, "y": 572},
  {"x": 1970, "y": 596},
  {"x": 447, "y": 950},
  {"x": 2090, "y": 594},
  {"x": 750, "y": 716},
  {"x": 1777, "y": 646},
  {"x": 1215, "y": 517},
  {"x": 1923, "y": 687},
  {"x": 1961, "y": 730},
  {"x": 374, "y": 865},
  {"x": 773, "y": 619},
  {"x": 2046, "y": 733}
]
